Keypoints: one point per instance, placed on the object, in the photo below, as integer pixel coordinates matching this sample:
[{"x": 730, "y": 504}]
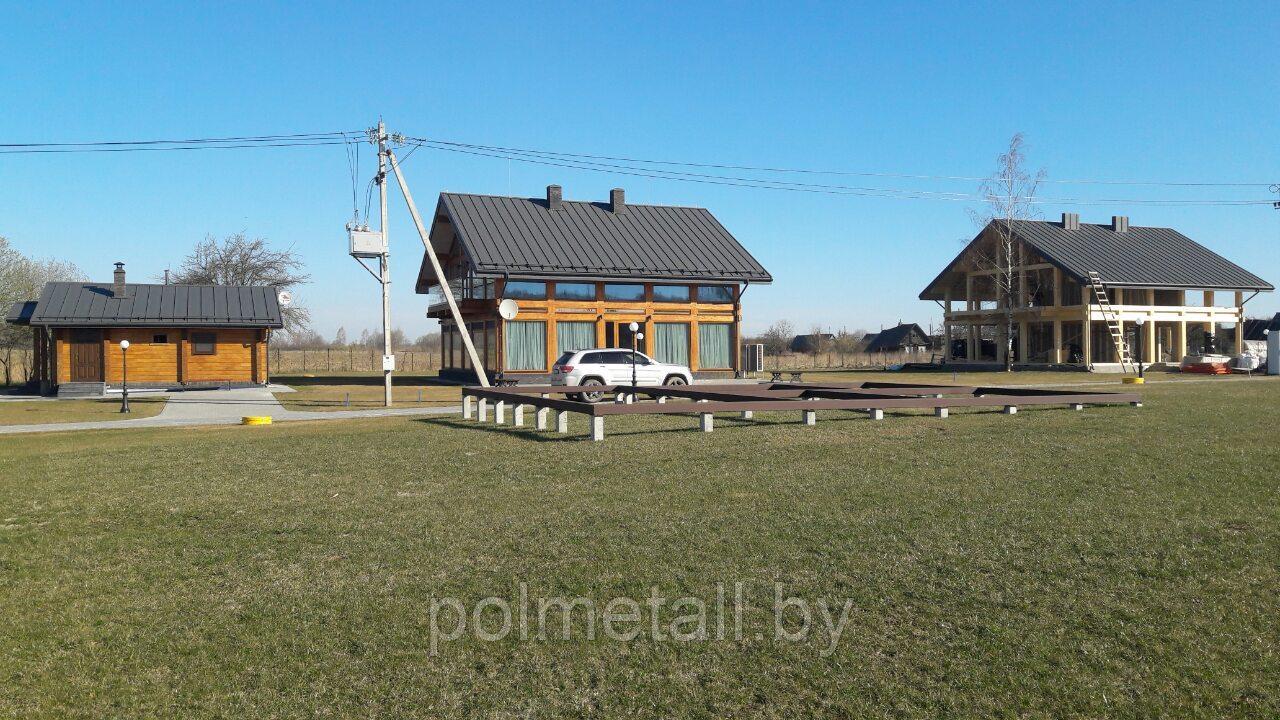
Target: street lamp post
[
  {"x": 124, "y": 373},
  {"x": 633, "y": 327},
  {"x": 1140, "y": 322}
]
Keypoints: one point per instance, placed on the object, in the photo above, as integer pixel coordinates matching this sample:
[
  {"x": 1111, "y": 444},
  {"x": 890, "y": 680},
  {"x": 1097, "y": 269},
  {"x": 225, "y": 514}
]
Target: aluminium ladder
[{"x": 1113, "y": 322}]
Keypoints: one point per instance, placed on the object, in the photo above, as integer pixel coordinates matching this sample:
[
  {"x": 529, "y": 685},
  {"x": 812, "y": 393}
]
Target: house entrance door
[
  {"x": 86, "y": 356},
  {"x": 617, "y": 334}
]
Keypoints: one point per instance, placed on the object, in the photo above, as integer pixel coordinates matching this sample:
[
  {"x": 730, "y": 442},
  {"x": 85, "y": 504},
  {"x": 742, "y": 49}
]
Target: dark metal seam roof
[
  {"x": 519, "y": 236},
  {"x": 68, "y": 304},
  {"x": 1141, "y": 257}
]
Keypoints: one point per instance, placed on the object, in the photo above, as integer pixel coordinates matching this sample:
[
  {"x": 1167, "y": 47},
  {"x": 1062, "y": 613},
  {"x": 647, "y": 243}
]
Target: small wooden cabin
[
  {"x": 1082, "y": 292},
  {"x": 179, "y": 335},
  {"x": 581, "y": 272}
]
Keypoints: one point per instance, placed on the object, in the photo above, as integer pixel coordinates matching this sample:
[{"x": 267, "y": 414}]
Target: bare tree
[
  {"x": 846, "y": 344},
  {"x": 238, "y": 260},
  {"x": 340, "y": 337},
  {"x": 1010, "y": 196},
  {"x": 22, "y": 278},
  {"x": 777, "y": 339},
  {"x": 817, "y": 344}
]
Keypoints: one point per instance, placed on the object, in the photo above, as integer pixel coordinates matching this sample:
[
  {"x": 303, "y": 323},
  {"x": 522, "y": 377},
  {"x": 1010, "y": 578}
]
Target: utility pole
[{"x": 384, "y": 266}]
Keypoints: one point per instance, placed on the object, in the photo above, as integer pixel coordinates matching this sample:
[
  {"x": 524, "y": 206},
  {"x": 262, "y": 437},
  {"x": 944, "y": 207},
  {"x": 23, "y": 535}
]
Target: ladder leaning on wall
[{"x": 1113, "y": 322}]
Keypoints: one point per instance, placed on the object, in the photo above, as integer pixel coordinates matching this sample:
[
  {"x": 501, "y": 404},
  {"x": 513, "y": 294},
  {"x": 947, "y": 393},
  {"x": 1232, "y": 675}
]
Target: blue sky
[{"x": 1160, "y": 91}]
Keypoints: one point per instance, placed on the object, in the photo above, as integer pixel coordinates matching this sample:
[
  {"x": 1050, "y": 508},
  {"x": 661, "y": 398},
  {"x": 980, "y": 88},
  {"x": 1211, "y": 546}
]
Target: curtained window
[
  {"x": 671, "y": 343},
  {"x": 526, "y": 346},
  {"x": 713, "y": 345},
  {"x": 575, "y": 335}
]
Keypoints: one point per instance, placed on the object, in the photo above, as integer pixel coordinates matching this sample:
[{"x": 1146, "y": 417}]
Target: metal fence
[{"x": 349, "y": 359}]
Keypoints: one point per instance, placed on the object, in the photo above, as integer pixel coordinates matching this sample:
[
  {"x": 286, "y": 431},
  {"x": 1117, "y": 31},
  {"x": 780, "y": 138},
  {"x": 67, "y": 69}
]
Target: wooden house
[
  {"x": 903, "y": 337},
  {"x": 1078, "y": 291},
  {"x": 581, "y": 272},
  {"x": 179, "y": 335}
]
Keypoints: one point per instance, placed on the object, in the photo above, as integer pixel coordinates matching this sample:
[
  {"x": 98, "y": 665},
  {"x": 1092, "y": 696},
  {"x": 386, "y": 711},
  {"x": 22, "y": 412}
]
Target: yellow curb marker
[{"x": 255, "y": 420}]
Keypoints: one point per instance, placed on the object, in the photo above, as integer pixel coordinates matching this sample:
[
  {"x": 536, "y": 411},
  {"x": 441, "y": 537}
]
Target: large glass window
[
  {"x": 526, "y": 345},
  {"x": 624, "y": 293},
  {"x": 575, "y": 335},
  {"x": 525, "y": 290},
  {"x": 715, "y": 293},
  {"x": 575, "y": 291},
  {"x": 713, "y": 345},
  {"x": 671, "y": 293},
  {"x": 671, "y": 343}
]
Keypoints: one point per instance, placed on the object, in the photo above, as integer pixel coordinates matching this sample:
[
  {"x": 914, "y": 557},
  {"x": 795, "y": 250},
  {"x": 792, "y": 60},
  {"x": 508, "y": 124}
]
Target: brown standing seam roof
[{"x": 68, "y": 304}]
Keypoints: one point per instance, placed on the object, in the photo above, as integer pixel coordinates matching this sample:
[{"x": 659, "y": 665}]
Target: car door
[{"x": 648, "y": 372}]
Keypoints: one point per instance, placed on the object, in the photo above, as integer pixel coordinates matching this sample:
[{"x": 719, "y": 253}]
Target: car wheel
[
  {"x": 674, "y": 380},
  {"x": 590, "y": 395}
]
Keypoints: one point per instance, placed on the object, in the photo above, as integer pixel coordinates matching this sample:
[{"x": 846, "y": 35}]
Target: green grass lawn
[
  {"x": 361, "y": 390},
  {"x": 31, "y": 412},
  {"x": 1115, "y": 562}
]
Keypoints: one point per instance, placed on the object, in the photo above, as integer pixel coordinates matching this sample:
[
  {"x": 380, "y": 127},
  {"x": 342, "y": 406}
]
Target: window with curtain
[
  {"x": 575, "y": 335},
  {"x": 713, "y": 345},
  {"x": 525, "y": 290},
  {"x": 671, "y": 293},
  {"x": 715, "y": 293},
  {"x": 526, "y": 345},
  {"x": 671, "y": 343},
  {"x": 625, "y": 293},
  {"x": 575, "y": 291}
]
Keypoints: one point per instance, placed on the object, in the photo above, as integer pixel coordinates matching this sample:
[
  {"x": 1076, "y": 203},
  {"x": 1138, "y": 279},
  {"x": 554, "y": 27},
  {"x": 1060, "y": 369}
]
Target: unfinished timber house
[
  {"x": 1076, "y": 291},
  {"x": 580, "y": 274}
]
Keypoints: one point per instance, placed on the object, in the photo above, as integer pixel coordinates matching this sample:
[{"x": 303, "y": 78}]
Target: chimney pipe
[
  {"x": 554, "y": 197},
  {"x": 1070, "y": 221},
  {"x": 119, "y": 289},
  {"x": 1120, "y": 223},
  {"x": 617, "y": 201}
]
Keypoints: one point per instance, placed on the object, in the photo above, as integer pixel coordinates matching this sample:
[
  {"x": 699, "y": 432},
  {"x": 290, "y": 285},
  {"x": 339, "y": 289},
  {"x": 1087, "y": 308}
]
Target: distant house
[
  {"x": 1081, "y": 289},
  {"x": 581, "y": 273},
  {"x": 908, "y": 337},
  {"x": 179, "y": 335},
  {"x": 812, "y": 343}
]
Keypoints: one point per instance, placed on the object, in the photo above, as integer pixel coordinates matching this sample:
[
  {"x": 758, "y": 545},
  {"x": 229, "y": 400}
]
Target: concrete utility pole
[{"x": 383, "y": 264}]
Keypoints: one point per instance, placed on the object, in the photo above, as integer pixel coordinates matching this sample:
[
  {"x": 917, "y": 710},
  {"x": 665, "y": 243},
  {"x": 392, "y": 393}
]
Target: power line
[
  {"x": 30, "y": 151},
  {"x": 189, "y": 141},
  {"x": 768, "y": 184},
  {"x": 810, "y": 171}
]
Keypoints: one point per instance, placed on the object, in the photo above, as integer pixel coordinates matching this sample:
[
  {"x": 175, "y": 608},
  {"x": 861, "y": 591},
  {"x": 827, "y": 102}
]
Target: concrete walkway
[{"x": 224, "y": 407}]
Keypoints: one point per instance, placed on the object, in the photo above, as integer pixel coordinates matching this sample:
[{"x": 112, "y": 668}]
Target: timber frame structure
[
  {"x": 1080, "y": 290},
  {"x": 746, "y": 399}
]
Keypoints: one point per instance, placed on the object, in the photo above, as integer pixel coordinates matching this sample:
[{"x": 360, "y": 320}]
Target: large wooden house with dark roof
[
  {"x": 581, "y": 272},
  {"x": 179, "y": 335},
  {"x": 1080, "y": 290}
]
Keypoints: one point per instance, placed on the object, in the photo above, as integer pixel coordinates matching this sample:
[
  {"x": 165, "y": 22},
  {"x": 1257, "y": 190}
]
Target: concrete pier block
[
  {"x": 876, "y": 413},
  {"x": 1136, "y": 404},
  {"x": 748, "y": 414},
  {"x": 1010, "y": 409},
  {"x": 707, "y": 422},
  {"x": 517, "y": 416},
  {"x": 810, "y": 417},
  {"x": 562, "y": 421},
  {"x": 482, "y": 410},
  {"x": 662, "y": 399},
  {"x": 468, "y": 406},
  {"x": 941, "y": 412},
  {"x": 597, "y": 428},
  {"x": 540, "y": 418},
  {"x": 500, "y": 412},
  {"x": 1077, "y": 406}
]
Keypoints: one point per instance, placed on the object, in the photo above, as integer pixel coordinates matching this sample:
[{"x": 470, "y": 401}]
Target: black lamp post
[
  {"x": 633, "y": 327},
  {"x": 1140, "y": 322},
  {"x": 124, "y": 368}
]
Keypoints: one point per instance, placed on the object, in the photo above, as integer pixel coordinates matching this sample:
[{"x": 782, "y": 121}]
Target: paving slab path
[{"x": 224, "y": 407}]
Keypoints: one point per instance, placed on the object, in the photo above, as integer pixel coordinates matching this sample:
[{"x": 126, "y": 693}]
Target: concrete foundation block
[
  {"x": 941, "y": 412},
  {"x": 468, "y": 407},
  {"x": 810, "y": 417},
  {"x": 876, "y": 413},
  {"x": 1137, "y": 404},
  {"x": 517, "y": 416},
  {"x": 562, "y": 421},
  {"x": 1010, "y": 410},
  {"x": 662, "y": 399},
  {"x": 748, "y": 414},
  {"x": 500, "y": 412},
  {"x": 706, "y": 422},
  {"x": 1077, "y": 406},
  {"x": 540, "y": 418},
  {"x": 482, "y": 410},
  {"x": 597, "y": 429}
]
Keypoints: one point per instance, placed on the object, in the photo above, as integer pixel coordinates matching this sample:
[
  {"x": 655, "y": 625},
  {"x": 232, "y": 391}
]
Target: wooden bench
[{"x": 776, "y": 376}]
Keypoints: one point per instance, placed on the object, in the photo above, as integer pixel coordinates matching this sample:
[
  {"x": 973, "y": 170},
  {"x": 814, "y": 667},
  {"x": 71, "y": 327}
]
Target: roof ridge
[{"x": 575, "y": 202}]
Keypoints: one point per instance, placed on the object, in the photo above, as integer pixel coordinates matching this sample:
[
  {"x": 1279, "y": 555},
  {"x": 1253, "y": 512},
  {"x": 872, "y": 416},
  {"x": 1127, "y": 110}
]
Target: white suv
[{"x": 612, "y": 366}]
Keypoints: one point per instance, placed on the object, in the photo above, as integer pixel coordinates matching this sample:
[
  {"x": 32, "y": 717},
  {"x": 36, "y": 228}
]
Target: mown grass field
[
  {"x": 1116, "y": 562},
  {"x": 32, "y": 412},
  {"x": 362, "y": 390}
]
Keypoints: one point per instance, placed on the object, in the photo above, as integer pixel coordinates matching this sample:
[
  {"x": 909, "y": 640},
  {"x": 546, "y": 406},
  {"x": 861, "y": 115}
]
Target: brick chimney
[
  {"x": 1119, "y": 223},
  {"x": 618, "y": 201},
  {"x": 119, "y": 289},
  {"x": 555, "y": 197},
  {"x": 1070, "y": 221}
]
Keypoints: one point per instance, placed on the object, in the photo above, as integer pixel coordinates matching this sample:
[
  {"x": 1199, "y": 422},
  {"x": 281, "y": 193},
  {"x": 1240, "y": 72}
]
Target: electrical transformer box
[{"x": 366, "y": 243}]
